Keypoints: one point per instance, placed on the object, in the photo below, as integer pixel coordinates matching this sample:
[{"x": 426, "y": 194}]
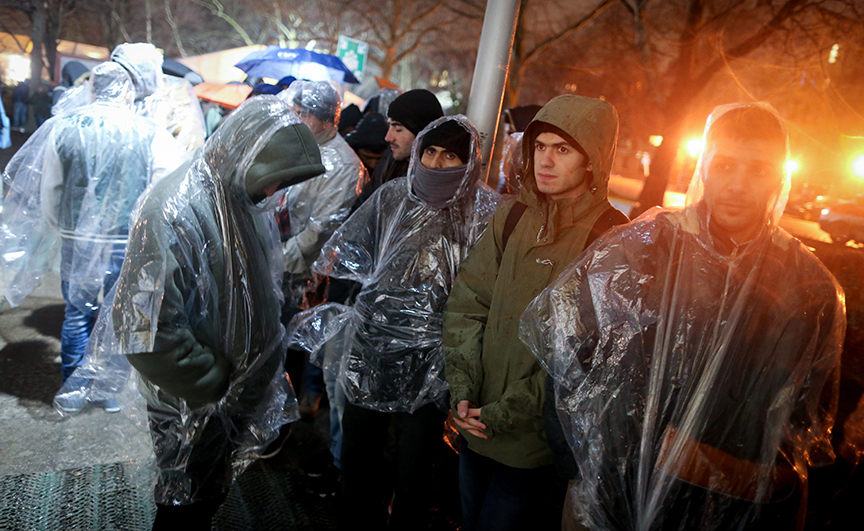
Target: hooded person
[
  {"x": 404, "y": 246},
  {"x": 695, "y": 351},
  {"x": 196, "y": 308},
  {"x": 314, "y": 210},
  {"x": 96, "y": 162},
  {"x": 407, "y": 115},
  {"x": 167, "y": 100},
  {"x": 497, "y": 388}
]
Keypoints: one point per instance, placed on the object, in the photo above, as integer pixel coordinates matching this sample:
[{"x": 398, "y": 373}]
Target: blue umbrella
[{"x": 276, "y": 63}]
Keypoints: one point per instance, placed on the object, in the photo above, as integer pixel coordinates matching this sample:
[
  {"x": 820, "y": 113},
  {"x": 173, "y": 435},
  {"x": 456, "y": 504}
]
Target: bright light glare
[
  {"x": 858, "y": 166},
  {"x": 655, "y": 140},
  {"x": 832, "y": 56},
  {"x": 694, "y": 147},
  {"x": 311, "y": 44},
  {"x": 19, "y": 68},
  {"x": 791, "y": 166}
]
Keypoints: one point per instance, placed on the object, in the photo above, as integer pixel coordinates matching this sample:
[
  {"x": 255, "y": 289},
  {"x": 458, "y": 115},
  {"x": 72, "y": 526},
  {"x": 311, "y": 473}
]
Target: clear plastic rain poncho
[
  {"x": 406, "y": 256},
  {"x": 695, "y": 379},
  {"x": 319, "y": 206},
  {"x": 167, "y": 100},
  {"x": 80, "y": 175},
  {"x": 197, "y": 305}
]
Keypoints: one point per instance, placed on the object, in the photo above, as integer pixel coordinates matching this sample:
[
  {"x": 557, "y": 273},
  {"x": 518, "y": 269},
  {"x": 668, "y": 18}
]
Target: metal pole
[{"x": 490, "y": 72}]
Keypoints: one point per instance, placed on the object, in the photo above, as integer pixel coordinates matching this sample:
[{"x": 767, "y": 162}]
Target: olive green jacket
[{"x": 486, "y": 363}]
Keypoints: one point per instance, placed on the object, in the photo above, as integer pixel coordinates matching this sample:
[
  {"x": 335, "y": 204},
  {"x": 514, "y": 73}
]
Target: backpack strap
[
  {"x": 512, "y": 220},
  {"x": 608, "y": 219}
]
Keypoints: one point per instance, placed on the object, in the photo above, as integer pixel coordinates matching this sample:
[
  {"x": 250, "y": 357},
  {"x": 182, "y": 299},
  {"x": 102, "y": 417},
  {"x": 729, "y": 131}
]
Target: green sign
[{"x": 353, "y": 53}]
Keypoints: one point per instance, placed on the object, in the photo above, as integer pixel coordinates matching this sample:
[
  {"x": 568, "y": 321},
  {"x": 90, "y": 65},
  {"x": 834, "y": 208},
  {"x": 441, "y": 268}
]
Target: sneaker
[
  {"x": 325, "y": 484},
  {"x": 309, "y": 406},
  {"x": 109, "y": 405},
  {"x": 276, "y": 446},
  {"x": 71, "y": 402}
]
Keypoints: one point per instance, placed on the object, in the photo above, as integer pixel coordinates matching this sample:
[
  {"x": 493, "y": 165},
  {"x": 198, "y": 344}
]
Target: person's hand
[{"x": 468, "y": 419}]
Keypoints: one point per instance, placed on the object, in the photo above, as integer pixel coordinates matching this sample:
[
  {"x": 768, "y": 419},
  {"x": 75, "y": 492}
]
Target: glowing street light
[
  {"x": 694, "y": 147},
  {"x": 791, "y": 166},
  {"x": 655, "y": 140},
  {"x": 858, "y": 166}
]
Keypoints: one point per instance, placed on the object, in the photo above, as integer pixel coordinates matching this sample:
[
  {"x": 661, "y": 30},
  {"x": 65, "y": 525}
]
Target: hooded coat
[
  {"x": 695, "y": 378},
  {"x": 197, "y": 303},
  {"x": 486, "y": 363},
  {"x": 406, "y": 256}
]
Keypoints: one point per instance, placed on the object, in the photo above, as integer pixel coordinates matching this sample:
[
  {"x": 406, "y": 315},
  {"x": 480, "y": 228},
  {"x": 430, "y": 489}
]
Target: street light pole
[{"x": 490, "y": 73}]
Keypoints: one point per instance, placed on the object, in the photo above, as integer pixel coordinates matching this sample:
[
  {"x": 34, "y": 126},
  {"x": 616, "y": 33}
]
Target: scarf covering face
[{"x": 435, "y": 187}]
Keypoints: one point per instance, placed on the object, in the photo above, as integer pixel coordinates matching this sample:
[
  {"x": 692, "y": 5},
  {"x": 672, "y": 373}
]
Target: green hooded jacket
[{"x": 486, "y": 363}]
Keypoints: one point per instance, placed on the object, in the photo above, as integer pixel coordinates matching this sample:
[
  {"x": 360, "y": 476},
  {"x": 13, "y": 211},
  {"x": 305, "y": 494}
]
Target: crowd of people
[{"x": 674, "y": 372}]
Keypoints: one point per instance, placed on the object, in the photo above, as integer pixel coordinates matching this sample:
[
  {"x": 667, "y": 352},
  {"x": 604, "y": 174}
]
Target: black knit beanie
[
  {"x": 450, "y": 136},
  {"x": 415, "y": 109}
]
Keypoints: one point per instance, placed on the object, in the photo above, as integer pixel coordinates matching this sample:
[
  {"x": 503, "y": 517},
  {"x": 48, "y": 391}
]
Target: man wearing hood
[
  {"x": 98, "y": 161},
  {"x": 196, "y": 309},
  {"x": 404, "y": 246},
  {"x": 695, "y": 352},
  {"x": 497, "y": 388}
]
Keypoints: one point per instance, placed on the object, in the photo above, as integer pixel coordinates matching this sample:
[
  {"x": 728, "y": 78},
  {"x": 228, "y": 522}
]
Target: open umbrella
[
  {"x": 276, "y": 63},
  {"x": 229, "y": 96}
]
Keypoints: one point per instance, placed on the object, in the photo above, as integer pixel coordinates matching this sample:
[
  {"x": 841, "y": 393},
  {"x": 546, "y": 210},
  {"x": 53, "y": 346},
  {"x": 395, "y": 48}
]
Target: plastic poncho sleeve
[
  {"x": 465, "y": 321},
  {"x": 161, "y": 346},
  {"x": 352, "y": 252},
  {"x": 167, "y": 152},
  {"x": 333, "y": 195}
]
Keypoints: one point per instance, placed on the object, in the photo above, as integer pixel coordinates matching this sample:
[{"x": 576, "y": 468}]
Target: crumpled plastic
[
  {"x": 512, "y": 170},
  {"x": 406, "y": 257},
  {"x": 695, "y": 386},
  {"x": 169, "y": 101},
  {"x": 221, "y": 252},
  {"x": 110, "y": 162}
]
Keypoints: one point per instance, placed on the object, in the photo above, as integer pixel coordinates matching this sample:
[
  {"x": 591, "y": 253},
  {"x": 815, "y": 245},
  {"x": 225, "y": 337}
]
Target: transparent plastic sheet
[
  {"x": 80, "y": 175},
  {"x": 324, "y": 325},
  {"x": 319, "y": 206},
  {"x": 406, "y": 256},
  {"x": 203, "y": 273},
  {"x": 511, "y": 172},
  {"x": 695, "y": 386}
]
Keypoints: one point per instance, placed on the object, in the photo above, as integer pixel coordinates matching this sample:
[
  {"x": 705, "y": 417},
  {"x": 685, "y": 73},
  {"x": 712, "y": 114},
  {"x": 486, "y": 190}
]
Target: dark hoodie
[{"x": 196, "y": 310}]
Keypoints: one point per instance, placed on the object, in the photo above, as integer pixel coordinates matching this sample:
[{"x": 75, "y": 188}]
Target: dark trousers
[
  {"x": 497, "y": 497},
  {"x": 366, "y": 487}
]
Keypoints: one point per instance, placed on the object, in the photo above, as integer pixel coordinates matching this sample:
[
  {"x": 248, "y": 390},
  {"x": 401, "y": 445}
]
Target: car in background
[{"x": 844, "y": 221}]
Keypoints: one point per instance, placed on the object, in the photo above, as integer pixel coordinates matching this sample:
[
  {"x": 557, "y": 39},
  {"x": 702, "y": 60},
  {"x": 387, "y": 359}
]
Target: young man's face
[
  {"x": 400, "y": 140},
  {"x": 743, "y": 180},
  {"x": 436, "y": 157},
  {"x": 559, "y": 169}
]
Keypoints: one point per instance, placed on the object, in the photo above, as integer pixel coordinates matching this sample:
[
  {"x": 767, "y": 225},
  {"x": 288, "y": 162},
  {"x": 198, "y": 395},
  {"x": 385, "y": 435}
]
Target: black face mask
[{"x": 436, "y": 187}]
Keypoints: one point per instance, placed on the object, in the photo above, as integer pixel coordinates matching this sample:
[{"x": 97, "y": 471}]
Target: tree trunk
[
  {"x": 52, "y": 31},
  {"x": 37, "y": 36}
]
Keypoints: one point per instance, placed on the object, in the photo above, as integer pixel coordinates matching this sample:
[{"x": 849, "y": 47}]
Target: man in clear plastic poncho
[
  {"x": 404, "y": 245},
  {"x": 315, "y": 210},
  {"x": 167, "y": 100},
  {"x": 695, "y": 351},
  {"x": 84, "y": 170},
  {"x": 196, "y": 309}
]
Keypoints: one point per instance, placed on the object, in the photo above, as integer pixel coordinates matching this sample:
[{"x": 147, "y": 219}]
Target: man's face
[
  {"x": 743, "y": 180},
  {"x": 368, "y": 157},
  {"x": 314, "y": 124},
  {"x": 559, "y": 170},
  {"x": 400, "y": 140},
  {"x": 436, "y": 157}
]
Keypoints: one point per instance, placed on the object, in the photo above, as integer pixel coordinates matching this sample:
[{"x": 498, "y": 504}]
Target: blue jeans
[
  {"x": 78, "y": 323},
  {"x": 336, "y": 397},
  {"x": 19, "y": 116},
  {"x": 497, "y": 497}
]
